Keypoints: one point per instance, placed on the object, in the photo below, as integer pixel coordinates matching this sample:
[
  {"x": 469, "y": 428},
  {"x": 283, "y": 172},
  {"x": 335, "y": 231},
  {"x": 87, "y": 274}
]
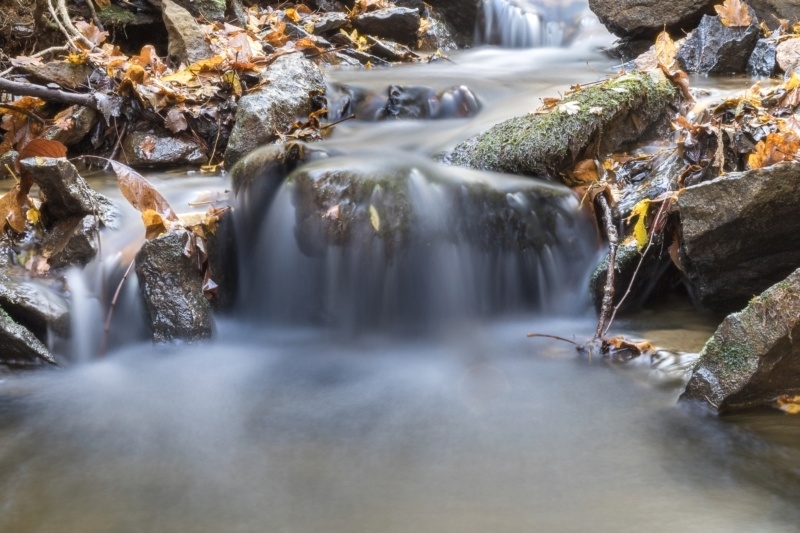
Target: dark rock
[
  {"x": 419, "y": 5},
  {"x": 460, "y": 15},
  {"x": 763, "y": 60},
  {"x": 739, "y": 234},
  {"x": 389, "y": 51},
  {"x": 66, "y": 193},
  {"x": 33, "y": 305},
  {"x": 713, "y": 48},
  {"x": 63, "y": 73},
  {"x": 72, "y": 241},
  {"x": 647, "y": 18},
  {"x": 7, "y": 163},
  {"x": 397, "y": 24},
  {"x": 752, "y": 357},
  {"x": 771, "y": 11},
  {"x": 172, "y": 286},
  {"x": 19, "y": 347},
  {"x": 272, "y": 109},
  {"x": 437, "y": 35},
  {"x": 78, "y": 125},
  {"x": 329, "y": 22},
  {"x": 222, "y": 250},
  {"x": 596, "y": 119},
  {"x": 787, "y": 54},
  {"x": 161, "y": 149},
  {"x": 186, "y": 41},
  {"x": 364, "y": 58}
]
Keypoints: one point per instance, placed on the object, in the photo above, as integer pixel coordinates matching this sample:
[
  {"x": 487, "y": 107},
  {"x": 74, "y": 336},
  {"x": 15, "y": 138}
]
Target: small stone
[
  {"x": 787, "y": 54},
  {"x": 71, "y": 241},
  {"x": 77, "y": 125},
  {"x": 63, "y": 73},
  {"x": 32, "y": 304},
  {"x": 172, "y": 287},
  {"x": 19, "y": 347},
  {"x": 397, "y": 23},
  {"x": 763, "y": 60},
  {"x": 329, "y": 22},
  {"x": 157, "y": 148},
  {"x": 186, "y": 41},
  {"x": 713, "y": 48}
]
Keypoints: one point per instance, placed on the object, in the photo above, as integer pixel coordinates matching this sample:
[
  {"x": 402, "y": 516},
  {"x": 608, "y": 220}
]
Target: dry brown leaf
[
  {"x": 148, "y": 145},
  {"x": 140, "y": 193},
  {"x": 175, "y": 121},
  {"x": 788, "y": 404},
  {"x": 665, "y": 50},
  {"x": 154, "y": 224},
  {"x": 91, "y": 32},
  {"x": 585, "y": 171},
  {"x": 43, "y": 148},
  {"x": 13, "y": 208},
  {"x": 734, "y": 14},
  {"x": 773, "y": 149}
]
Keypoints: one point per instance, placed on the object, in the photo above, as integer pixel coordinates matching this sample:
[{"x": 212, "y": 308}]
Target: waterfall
[{"x": 531, "y": 23}]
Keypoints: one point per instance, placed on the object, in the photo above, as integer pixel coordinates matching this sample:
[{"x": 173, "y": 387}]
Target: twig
[
  {"x": 110, "y": 315},
  {"x": 65, "y": 18},
  {"x": 54, "y": 95},
  {"x": 117, "y": 146},
  {"x": 608, "y": 290},
  {"x": 95, "y": 18},
  {"x": 25, "y": 112},
  {"x": 556, "y": 337},
  {"x": 41, "y": 53},
  {"x": 332, "y": 124}
]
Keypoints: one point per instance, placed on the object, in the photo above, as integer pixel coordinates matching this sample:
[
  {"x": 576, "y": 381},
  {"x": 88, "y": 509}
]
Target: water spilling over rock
[
  {"x": 377, "y": 240},
  {"x": 531, "y": 24}
]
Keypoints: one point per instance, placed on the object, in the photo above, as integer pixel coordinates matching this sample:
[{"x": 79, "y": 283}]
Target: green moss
[
  {"x": 734, "y": 356},
  {"x": 114, "y": 15}
]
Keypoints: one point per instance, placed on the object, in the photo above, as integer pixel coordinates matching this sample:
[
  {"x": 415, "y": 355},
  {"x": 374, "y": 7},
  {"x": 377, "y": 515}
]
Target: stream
[{"x": 337, "y": 423}]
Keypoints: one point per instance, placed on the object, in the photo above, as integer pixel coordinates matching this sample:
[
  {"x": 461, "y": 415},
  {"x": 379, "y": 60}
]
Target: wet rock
[
  {"x": 648, "y": 281},
  {"x": 461, "y": 16},
  {"x": 419, "y": 5},
  {"x": 763, "y": 60},
  {"x": 329, "y": 22},
  {"x": 787, "y": 54},
  {"x": 596, "y": 119},
  {"x": 436, "y": 34},
  {"x": 162, "y": 149},
  {"x": 72, "y": 241},
  {"x": 272, "y": 109},
  {"x": 66, "y": 193},
  {"x": 19, "y": 347},
  {"x": 63, "y": 73},
  {"x": 753, "y": 356},
  {"x": 364, "y": 58},
  {"x": 389, "y": 51},
  {"x": 402, "y": 102},
  {"x": 222, "y": 253},
  {"x": 172, "y": 287},
  {"x": 771, "y": 11},
  {"x": 713, "y": 48},
  {"x": 33, "y": 305},
  {"x": 646, "y": 18},
  {"x": 7, "y": 163},
  {"x": 186, "y": 41},
  {"x": 738, "y": 234},
  {"x": 397, "y": 24},
  {"x": 75, "y": 125}
]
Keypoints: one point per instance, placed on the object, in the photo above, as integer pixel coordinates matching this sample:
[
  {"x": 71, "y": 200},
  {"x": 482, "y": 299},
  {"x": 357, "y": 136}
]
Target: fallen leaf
[
  {"x": 154, "y": 224},
  {"x": 175, "y": 121},
  {"x": 140, "y": 193},
  {"x": 43, "y": 148},
  {"x": 585, "y": 170},
  {"x": 374, "y": 218},
  {"x": 640, "y": 228},
  {"x": 788, "y": 404},
  {"x": 773, "y": 149},
  {"x": 13, "y": 209},
  {"x": 147, "y": 147},
  {"x": 734, "y": 14},
  {"x": 665, "y": 50},
  {"x": 570, "y": 108}
]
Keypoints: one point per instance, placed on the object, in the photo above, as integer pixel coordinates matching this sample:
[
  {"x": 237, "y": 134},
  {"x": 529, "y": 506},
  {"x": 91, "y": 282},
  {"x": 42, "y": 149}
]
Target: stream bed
[{"x": 467, "y": 426}]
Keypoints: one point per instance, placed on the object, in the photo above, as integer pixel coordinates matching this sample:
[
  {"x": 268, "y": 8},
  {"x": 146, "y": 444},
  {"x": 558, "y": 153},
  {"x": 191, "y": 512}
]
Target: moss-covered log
[{"x": 592, "y": 120}]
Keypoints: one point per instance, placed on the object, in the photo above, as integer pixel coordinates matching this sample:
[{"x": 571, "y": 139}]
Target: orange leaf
[
  {"x": 665, "y": 50},
  {"x": 140, "y": 193},
  {"x": 13, "y": 209},
  {"x": 734, "y": 14},
  {"x": 43, "y": 148}
]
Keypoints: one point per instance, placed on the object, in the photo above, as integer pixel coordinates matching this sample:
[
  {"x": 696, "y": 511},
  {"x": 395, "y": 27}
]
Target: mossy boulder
[
  {"x": 753, "y": 356},
  {"x": 593, "y": 120}
]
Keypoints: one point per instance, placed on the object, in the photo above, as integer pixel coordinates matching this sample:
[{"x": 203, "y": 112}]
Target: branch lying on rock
[{"x": 92, "y": 101}]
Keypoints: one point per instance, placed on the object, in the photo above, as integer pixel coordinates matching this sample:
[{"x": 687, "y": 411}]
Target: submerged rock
[
  {"x": 272, "y": 109},
  {"x": 19, "y": 347},
  {"x": 396, "y": 23},
  {"x": 66, "y": 193},
  {"x": 596, "y": 119},
  {"x": 739, "y": 234},
  {"x": 162, "y": 149},
  {"x": 754, "y": 355},
  {"x": 172, "y": 287},
  {"x": 646, "y": 18},
  {"x": 402, "y": 102},
  {"x": 713, "y": 48}
]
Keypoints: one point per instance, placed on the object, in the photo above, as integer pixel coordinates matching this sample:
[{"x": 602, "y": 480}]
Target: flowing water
[{"x": 306, "y": 413}]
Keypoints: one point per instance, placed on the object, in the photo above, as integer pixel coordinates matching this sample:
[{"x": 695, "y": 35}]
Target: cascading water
[
  {"x": 378, "y": 240},
  {"x": 532, "y": 23}
]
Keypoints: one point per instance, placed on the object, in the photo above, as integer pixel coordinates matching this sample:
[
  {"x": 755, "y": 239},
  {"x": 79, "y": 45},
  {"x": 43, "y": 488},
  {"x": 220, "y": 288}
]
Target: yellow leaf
[
  {"x": 292, "y": 15},
  {"x": 665, "y": 50},
  {"x": 734, "y": 14},
  {"x": 33, "y": 215},
  {"x": 789, "y": 404},
  {"x": 374, "y": 218},
  {"x": 154, "y": 224},
  {"x": 640, "y": 228}
]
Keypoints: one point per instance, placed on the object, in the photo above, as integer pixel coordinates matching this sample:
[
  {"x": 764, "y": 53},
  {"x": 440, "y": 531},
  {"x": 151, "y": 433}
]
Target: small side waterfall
[{"x": 531, "y": 23}]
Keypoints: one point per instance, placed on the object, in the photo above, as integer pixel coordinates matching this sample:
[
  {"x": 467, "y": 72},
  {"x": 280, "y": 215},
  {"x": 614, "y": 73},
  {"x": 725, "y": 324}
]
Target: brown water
[{"x": 470, "y": 427}]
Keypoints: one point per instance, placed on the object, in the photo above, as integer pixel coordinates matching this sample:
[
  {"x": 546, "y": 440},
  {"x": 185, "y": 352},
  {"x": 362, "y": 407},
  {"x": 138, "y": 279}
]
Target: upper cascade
[{"x": 533, "y": 23}]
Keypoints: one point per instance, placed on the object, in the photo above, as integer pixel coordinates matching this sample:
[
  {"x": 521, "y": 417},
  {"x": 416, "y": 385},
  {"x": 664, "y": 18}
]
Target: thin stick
[
  {"x": 608, "y": 290},
  {"x": 107, "y": 328},
  {"x": 556, "y": 337},
  {"x": 117, "y": 146},
  {"x": 332, "y": 124},
  {"x": 25, "y": 112}
]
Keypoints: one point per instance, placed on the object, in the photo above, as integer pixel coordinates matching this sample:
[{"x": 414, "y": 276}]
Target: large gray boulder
[
  {"x": 264, "y": 114},
  {"x": 713, "y": 48},
  {"x": 754, "y": 356},
  {"x": 646, "y": 18},
  {"x": 19, "y": 347},
  {"x": 740, "y": 234},
  {"x": 596, "y": 119},
  {"x": 172, "y": 286}
]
